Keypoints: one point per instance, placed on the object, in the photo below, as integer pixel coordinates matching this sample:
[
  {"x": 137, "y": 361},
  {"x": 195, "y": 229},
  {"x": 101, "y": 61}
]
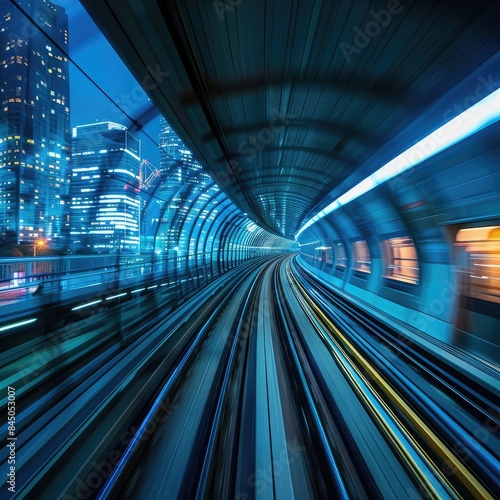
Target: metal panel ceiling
[{"x": 268, "y": 96}]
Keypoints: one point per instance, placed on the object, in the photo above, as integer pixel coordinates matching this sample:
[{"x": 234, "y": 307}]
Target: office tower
[
  {"x": 34, "y": 122},
  {"x": 105, "y": 203},
  {"x": 181, "y": 175},
  {"x": 172, "y": 148}
]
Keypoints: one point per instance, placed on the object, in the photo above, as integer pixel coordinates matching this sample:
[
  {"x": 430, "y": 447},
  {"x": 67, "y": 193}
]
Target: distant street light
[{"x": 38, "y": 244}]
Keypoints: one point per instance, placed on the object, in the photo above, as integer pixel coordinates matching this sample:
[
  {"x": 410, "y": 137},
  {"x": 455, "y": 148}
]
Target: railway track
[{"x": 265, "y": 385}]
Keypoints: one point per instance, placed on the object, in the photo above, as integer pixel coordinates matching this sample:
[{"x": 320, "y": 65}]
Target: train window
[
  {"x": 400, "y": 259},
  {"x": 340, "y": 257},
  {"x": 362, "y": 260},
  {"x": 482, "y": 245},
  {"x": 325, "y": 255}
]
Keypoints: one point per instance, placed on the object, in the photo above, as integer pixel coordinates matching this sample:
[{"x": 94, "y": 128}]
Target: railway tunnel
[{"x": 308, "y": 305}]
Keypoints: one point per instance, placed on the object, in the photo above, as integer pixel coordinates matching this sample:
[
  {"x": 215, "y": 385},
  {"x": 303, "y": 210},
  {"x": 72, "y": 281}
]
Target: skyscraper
[
  {"x": 105, "y": 203},
  {"x": 34, "y": 121},
  {"x": 181, "y": 174},
  {"x": 172, "y": 148}
]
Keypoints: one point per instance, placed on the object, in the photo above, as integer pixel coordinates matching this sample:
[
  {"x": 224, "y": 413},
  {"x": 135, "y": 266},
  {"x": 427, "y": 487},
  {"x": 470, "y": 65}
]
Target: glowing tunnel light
[
  {"x": 472, "y": 120},
  {"x": 88, "y": 304},
  {"x": 16, "y": 325},
  {"x": 116, "y": 296}
]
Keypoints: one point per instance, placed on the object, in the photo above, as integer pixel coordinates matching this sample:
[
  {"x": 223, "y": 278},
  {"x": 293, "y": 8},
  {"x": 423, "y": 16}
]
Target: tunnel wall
[
  {"x": 429, "y": 204},
  {"x": 190, "y": 222}
]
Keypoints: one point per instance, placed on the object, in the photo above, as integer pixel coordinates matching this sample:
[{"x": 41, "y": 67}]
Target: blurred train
[{"x": 424, "y": 247}]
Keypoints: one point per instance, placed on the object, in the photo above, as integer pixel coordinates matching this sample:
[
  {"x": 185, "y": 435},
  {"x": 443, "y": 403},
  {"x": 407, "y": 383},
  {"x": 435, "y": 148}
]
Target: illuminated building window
[
  {"x": 482, "y": 245},
  {"x": 400, "y": 260},
  {"x": 362, "y": 260}
]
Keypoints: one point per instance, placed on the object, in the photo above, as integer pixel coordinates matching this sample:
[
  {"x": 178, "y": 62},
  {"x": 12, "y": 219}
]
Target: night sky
[{"x": 92, "y": 52}]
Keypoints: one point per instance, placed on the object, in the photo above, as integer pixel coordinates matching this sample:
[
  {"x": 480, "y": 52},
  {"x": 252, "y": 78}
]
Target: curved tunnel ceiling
[{"x": 281, "y": 101}]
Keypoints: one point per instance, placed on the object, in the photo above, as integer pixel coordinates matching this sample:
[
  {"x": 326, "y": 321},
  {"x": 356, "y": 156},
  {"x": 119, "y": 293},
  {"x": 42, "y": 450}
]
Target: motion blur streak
[
  {"x": 299, "y": 390},
  {"x": 250, "y": 249}
]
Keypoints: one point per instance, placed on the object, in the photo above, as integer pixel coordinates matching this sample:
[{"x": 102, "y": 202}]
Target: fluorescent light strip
[
  {"x": 93, "y": 284},
  {"x": 311, "y": 243},
  {"x": 15, "y": 325},
  {"x": 138, "y": 290},
  {"x": 116, "y": 296},
  {"x": 472, "y": 120},
  {"x": 86, "y": 305},
  {"x": 154, "y": 286}
]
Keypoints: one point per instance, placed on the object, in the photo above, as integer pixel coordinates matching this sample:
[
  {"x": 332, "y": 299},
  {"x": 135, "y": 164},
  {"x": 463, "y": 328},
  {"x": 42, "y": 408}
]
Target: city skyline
[
  {"x": 35, "y": 123},
  {"x": 50, "y": 100},
  {"x": 104, "y": 190}
]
